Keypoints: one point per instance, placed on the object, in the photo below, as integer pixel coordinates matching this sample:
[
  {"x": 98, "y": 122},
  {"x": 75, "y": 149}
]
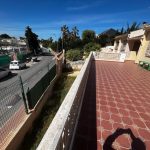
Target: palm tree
[
  {"x": 134, "y": 26},
  {"x": 65, "y": 31},
  {"x": 65, "y": 35},
  {"x": 75, "y": 32}
]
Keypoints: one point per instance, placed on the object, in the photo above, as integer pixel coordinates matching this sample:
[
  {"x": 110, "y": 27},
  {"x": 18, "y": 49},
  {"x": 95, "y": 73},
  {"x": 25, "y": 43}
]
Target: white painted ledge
[{"x": 53, "y": 133}]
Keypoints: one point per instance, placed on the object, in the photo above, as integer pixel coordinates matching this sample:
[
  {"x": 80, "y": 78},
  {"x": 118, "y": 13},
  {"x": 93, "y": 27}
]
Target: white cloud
[
  {"x": 71, "y": 8},
  {"x": 97, "y": 22},
  {"x": 84, "y": 6},
  {"x": 85, "y": 20}
]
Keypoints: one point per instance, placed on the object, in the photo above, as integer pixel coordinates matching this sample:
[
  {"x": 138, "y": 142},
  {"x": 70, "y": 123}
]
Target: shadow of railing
[{"x": 86, "y": 137}]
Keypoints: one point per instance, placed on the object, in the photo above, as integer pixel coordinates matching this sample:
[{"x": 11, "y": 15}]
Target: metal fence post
[
  {"x": 23, "y": 95},
  {"x": 48, "y": 66}
]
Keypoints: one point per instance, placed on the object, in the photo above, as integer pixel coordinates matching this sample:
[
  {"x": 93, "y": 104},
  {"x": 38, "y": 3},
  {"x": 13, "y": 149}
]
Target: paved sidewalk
[{"x": 117, "y": 95}]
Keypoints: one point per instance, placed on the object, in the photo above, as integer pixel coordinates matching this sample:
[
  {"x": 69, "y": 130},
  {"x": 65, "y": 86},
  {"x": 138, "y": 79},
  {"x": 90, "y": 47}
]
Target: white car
[
  {"x": 16, "y": 65},
  {"x": 4, "y": 72}
]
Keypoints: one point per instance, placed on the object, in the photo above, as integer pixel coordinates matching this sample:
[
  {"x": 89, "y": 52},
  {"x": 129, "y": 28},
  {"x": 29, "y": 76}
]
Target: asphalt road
[
  {"x": 26, "y": 73},
  {"x": 10, "y": 89}
]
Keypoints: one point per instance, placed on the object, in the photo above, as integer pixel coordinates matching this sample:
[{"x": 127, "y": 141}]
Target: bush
[
  {"x": 21, "y": 57},
  {"x": 91, "y": 47},
  {"x": 73, "y": 55}
]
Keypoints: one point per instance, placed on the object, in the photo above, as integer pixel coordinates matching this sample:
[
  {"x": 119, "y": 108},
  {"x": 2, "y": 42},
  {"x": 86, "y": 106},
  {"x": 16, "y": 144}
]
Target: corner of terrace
[{"x": 111, "y": 92}]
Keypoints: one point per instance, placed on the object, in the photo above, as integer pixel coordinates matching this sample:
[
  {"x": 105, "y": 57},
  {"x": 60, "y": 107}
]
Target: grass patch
[{"x": 61, "y": 88}]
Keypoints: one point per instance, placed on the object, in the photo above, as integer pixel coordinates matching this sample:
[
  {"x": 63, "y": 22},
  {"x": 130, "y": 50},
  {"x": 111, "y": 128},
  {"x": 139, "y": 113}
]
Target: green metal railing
[
  {"x": 17, "y": 98},
  {"x": 34, "y": 94}
]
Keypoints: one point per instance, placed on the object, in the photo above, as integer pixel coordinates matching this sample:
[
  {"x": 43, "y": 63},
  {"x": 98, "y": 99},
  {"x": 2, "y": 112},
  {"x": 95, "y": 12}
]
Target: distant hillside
[{"x": 110, "y": 32}]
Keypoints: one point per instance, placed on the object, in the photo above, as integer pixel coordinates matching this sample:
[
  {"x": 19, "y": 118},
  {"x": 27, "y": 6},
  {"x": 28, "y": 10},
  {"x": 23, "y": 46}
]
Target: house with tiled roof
[{"x": 136, "y": 44}]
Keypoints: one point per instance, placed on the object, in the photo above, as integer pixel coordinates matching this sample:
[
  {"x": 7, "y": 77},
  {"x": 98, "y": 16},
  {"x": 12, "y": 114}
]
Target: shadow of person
[{"x": 137, "y": 143}]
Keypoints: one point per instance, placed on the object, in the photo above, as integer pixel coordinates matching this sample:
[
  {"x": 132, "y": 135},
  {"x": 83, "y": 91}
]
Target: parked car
[
  {"x": 34, "y": 59},
  {"x": 4, "y": 72},
  {"x": 16, "y": 65},
  {"x": 28, "y": 59}
]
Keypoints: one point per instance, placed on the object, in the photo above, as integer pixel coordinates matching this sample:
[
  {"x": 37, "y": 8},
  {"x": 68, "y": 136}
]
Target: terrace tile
[{"x": 117, "y": 96}]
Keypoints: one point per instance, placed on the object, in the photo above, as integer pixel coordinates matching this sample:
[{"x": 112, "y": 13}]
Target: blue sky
[{"x": 47, "y": 16}]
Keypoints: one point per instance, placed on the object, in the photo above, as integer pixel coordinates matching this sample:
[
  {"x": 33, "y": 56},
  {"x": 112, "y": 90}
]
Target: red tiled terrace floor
[{"x": 117, "y": 95}]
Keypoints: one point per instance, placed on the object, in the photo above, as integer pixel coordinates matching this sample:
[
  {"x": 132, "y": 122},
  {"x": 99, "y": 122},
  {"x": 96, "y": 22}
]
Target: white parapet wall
[
  {"x": 107, "y": 56},
  {"x": 107, "y": 49},
  {"x": 61, "y": 131},
  {"x": 118, "y": 57}
]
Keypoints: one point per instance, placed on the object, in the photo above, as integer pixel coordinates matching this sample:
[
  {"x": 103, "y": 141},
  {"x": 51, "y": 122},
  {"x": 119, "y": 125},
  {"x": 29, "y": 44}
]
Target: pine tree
[{"x": 32, "y": 41}]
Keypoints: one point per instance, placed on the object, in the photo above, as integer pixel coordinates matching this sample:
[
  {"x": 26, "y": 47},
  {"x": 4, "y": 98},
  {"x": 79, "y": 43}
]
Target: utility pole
[
  {"x": 23, "y": 95},
  {"x": 62, "y": 41}
]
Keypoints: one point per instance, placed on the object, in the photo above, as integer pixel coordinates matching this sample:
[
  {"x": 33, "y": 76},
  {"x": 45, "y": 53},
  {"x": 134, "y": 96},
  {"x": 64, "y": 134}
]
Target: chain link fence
[
  {"x": 12, "y": 109},
  {"x": 34, "y": 94},
  {"x": 21, "y": 95}
]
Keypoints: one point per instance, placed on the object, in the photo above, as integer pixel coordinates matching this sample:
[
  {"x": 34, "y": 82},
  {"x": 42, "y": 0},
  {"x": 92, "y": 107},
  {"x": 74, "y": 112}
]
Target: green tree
[
  {"x": 57, "y": 45},
  {"x": 74, "y": 33},
  {"x": 47, "y": 43},
  {"x": 32, "y": 41},
  {"x": 54, "y": 45},
  {"x": 65, "y": 37},
  {"x": 75, "y": 41},
  {"x": 70, "y": 39},
  {"x": 91, "y": 47},
  {"x": 88, "y": 36},
  {"x": 104, "y": 39}
]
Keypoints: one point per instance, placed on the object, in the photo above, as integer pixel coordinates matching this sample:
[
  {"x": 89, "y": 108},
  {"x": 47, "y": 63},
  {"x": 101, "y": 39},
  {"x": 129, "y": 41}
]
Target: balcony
[{"x": 105, "y": 96}]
